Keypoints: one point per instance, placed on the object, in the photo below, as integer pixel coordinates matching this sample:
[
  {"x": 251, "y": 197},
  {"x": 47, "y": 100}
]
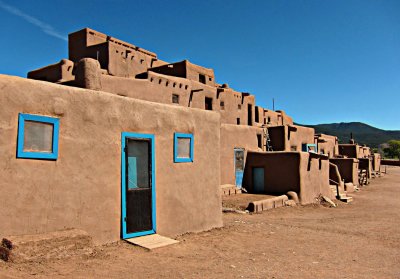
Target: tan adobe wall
[
  {"x": 234, "y": 136},
  {"x": 276, "y": 118},
  {"x": 327, "y": 144},
  {"x": 119, "y": 58},
  {"x": 376, "y": 162},
  {"x": 348, "y": 150},
  {"x": 348, "y": 169},
  {"x": 309, "y": 175},
  {"x": 156, "y": 88},
  {"x": 290, "y": 138},
  {"x": 59, "y": 72},
  {"x": 82, "y": 189}
]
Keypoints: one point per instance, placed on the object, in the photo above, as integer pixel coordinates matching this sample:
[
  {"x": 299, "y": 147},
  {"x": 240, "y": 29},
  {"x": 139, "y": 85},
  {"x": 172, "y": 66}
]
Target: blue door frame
[
  {"x": 128, "y": 135},
  {"x": 239, "y": 166}
]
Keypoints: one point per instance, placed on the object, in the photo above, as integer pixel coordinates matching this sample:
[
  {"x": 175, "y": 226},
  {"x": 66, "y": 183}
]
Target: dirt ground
[{"x": 357, "y": 240}]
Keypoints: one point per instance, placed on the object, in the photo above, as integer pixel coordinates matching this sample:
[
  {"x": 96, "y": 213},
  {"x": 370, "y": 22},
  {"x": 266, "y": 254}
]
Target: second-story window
[
  {"x": 202, "y": 78},
  {"x": 175, "y": 98}
]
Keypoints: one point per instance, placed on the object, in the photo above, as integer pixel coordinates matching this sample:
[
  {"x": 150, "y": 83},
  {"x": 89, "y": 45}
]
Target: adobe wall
[
  {"x": 119, "y": 58},
  {"x": 82, "y": 189},
  {"x": 301, "y": 172},
  {"x": 290, "y": 138},
  {"x": 314, "y": 177},
  {"x": 275, "y": 118},
  {"x": 348, "y": 168},
  {"x": 155, "y": 88},
  {"x": 327, "y": 144},
  {"x": 376, "y": 162},
  {"x": 235, "y": 136},
  {"x": 349, "y": 150}
]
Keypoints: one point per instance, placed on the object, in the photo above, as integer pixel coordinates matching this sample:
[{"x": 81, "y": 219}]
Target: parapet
[
  {"x": 58, "y": 73},
  {"x": 186, "y": 69}
]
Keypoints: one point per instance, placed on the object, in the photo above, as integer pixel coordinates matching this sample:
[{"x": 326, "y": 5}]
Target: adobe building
[{"x": 119, "y": 143}]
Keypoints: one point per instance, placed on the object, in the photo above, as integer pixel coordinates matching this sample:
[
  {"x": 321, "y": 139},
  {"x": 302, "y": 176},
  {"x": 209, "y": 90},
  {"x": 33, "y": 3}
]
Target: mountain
[{"x": 362, "y": 133}]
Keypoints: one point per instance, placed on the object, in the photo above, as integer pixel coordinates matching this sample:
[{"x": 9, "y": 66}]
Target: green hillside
[{"x": 362, "y": 133}]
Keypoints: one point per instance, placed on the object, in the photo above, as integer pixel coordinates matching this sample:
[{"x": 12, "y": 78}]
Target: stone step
[{"x": 346, "y": 199}]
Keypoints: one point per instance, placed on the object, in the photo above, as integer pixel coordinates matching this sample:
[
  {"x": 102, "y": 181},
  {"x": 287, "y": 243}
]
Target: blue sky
[{"x": 322, "y": 61}]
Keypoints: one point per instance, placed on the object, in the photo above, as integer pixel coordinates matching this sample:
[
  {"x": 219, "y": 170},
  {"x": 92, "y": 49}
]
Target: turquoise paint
[
  {"x": 21, "y": 133},
  {"x": 132, "y": 172},
  {"x": 258, "y": 180},
  {"x": 239, "y": 166},
  {"x": 183, "y": 160},
  {"x": 124, "y": 136}
]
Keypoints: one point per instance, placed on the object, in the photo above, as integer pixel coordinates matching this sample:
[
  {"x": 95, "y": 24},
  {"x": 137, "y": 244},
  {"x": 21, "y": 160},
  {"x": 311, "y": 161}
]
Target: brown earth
[{"x": 357, "y": 240}]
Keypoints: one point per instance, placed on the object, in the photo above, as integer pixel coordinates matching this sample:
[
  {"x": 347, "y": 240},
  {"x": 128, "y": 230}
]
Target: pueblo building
[{"x": 119, "y": 143}]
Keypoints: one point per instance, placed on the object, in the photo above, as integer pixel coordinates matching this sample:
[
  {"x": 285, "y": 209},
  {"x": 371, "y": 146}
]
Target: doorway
[
  {"x": 239, "y": 166},
  {"x": 138, "y": 185},
  {"x": 258, "y": 180}
]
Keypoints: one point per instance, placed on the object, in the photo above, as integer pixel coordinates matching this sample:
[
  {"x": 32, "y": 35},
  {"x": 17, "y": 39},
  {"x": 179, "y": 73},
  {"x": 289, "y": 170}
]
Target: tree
[{"x": 393, "y": 150}]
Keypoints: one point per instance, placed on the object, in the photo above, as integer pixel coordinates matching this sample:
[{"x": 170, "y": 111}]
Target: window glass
[
  {"x": 184, "y": 147},
  {"x": 38, "y": 136}
]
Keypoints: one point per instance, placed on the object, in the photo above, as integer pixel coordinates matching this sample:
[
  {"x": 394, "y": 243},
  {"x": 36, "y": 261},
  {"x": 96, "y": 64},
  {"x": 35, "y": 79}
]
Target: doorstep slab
[{"x": 151, "y": 241}]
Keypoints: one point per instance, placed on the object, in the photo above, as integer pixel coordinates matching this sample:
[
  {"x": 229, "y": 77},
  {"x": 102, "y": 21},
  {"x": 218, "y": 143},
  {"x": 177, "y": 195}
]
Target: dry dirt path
[{"x": 358, "y": 240}]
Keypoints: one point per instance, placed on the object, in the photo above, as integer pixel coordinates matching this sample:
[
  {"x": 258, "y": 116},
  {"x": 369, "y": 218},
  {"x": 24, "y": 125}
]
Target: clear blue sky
[{"x": 322, "y": 61}]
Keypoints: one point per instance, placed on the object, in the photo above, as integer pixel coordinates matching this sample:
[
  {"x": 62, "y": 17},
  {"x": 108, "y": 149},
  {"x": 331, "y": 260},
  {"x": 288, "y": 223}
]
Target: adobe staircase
[{"x": 342, "y": 195}]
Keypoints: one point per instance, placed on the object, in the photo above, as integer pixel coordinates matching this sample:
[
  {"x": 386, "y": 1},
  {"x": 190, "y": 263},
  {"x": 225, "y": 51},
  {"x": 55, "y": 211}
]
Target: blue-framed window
[
  {"x": 37, "y": 137},
  {"x": 308, "y": 147},
  {"x": 183, "y": 147}
]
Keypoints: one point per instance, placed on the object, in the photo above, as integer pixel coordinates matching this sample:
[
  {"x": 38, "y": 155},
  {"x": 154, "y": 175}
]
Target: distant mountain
[{"x": 362, "y": 133}]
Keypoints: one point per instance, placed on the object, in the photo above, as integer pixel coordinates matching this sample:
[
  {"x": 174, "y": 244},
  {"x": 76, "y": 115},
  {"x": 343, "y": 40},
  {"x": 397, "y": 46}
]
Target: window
[
  {"x": 175, "y": 99},
  {"x": 238, "y": 121},
  {"x": 239, "y": 106},
  {"x": 183, "y": 147},
  {"x": 202, "y": 78},
  {"x": 222, "y": 105},
  {"x": 37, "y": 137},
  {"x": 208, "y": 103},
  {"x": 310, "y": 148}
]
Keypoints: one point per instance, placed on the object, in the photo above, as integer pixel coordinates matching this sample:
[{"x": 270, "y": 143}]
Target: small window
[
  {"x": 208, "y": 103},
  {"x": 37, "y": 137},
  {"x": 175, "y": 99},
  {"x": 183, "y": 147},
  {"x": 222, "y": 105},
  {"x": 293, "y": 148},
  {"x": 269, "y": 119},
  {"x": 210, "y": 79},
  {"x": 310, "y": 148},
  {"x": 238, "y": 121},
  {"x": 259, "y": 140},
  {"x": 239, "y": 106},
  {"x": 202, "y": 78}
]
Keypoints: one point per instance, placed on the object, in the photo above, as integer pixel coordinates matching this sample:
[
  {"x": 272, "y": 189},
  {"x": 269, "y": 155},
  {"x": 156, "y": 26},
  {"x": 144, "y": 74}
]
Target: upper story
[{"x": 101, "y": 62}]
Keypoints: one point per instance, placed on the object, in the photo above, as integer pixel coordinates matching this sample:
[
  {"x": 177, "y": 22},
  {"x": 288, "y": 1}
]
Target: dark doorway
[
  {"x": 138, "y": 189},
  {"x": 208, "y": 103},
  {"x": 257, "y": 116},
  {"x": 249, "y": 115}
]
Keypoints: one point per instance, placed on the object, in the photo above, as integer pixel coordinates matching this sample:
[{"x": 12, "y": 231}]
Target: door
[
  {"x": 138, "y": 185},
  {"x": 258, "y": 180},
  {"x": 239, "y": 166}
]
